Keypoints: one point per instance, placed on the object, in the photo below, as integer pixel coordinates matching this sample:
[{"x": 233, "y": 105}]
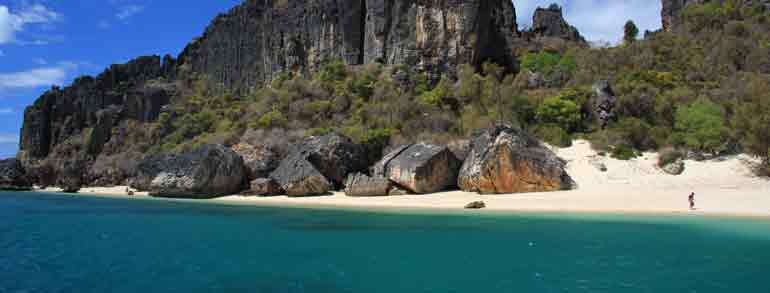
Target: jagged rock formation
[
  {"x": 249, "y": 46},
  {"x": 420, "y": 168},
  {"x": 360, "y": 185},
  {"x": 209, "y": 171},
  {"x": 264, "y": 187},
  {"x": 671, "y": 15},
  {"x": 549, "y": 22},
  {"x": 604, "y": 102},
  {"x": 506, "y": 160},
  {"x": 13, "y": 176},
  {"x": 298, "y": 177},
  {"x": 259, "y": 39},
  {"x": 259, "y": 160}
]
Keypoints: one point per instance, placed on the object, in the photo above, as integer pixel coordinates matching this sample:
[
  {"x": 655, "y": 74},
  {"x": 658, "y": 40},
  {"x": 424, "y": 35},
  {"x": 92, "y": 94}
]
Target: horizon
[{"x": 41, "y": 42}]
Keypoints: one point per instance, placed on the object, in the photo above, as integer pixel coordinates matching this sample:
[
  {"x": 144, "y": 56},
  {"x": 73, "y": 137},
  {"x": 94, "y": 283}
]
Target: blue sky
[{"x": 46, "y": 42}]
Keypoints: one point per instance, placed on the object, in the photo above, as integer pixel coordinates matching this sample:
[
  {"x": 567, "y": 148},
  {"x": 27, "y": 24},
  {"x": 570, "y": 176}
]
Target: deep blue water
[{"x": 59, "y": 243}]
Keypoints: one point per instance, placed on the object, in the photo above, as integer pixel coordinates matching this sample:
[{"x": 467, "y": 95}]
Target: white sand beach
[{"x": 724, "y": 186}]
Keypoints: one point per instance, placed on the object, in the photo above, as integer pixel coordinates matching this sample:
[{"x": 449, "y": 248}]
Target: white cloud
[
  {"x": 38, "y": 77},
  {"x": 128, "y": 11},
  {"x": 598, "y": 20},
  {"x": 6, "y": 138},
  {"x": 7, "y": 111},
  {"x": 12, "y": 23}
]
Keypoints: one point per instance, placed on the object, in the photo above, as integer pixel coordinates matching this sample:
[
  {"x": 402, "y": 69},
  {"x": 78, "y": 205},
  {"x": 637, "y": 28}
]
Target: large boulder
[
  {"x": 260, "y": 160},
  {"x": 674, "y": 168},
  {"x": 209, "y": 171},
  {"x": 420, "y": 168},
  {"x": 507, "y": 160},
  {"x": 360, "y": 185},
  {"x": 298, "y": 177},
  {"x": 320, "y": 164},
  {"x": 264, "y": 187},
  {"x": 335, "y": 156},
  {"x": 13, "y": 176}
]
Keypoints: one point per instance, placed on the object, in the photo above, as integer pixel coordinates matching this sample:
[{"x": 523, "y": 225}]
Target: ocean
[{"x": 63, "y": 243}]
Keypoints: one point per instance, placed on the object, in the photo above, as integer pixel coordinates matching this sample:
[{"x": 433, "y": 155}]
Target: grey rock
[
  {"x": 397, "y": 191},
  {"x": 260, "y": 160},
  {"x": 298, "y": 177},
  {"x": 335, "y": 156},
  {"x": 360, "y": 185},
  {"x": 604, "y": 103},
  {"x": 420, "y": 168},
  {"x": 476, "y": 205},
  {"x": 675, "y": 168},
  {"x": 210, "y": 171},
  {"x": 13, "y": 176},
  {"x": 549, "y": 22},
  {"x": 264, "y": 187},
  {"x": 508, "y": 160}
]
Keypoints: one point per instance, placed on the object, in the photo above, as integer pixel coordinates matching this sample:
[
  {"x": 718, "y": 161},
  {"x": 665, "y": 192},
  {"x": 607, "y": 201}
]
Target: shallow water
[{"x": 58, "y": 243}]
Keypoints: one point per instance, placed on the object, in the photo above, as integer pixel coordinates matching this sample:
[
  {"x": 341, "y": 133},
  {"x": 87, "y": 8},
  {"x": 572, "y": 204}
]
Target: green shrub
[
  {"x": 319, "y": 131},
  {"x": 701, "y": 126},
  {"x": 546, "y": 62},
  {"x": 635, "y": 132},
  {"x": 561, "y": 112},
  {"x": 273, "y": 119},
  {"x": 553, "y": 135},
  {"x": 624, "y": 153}
]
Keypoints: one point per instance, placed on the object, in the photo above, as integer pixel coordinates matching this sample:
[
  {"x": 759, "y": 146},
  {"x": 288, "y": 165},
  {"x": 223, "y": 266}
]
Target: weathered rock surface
[
  {"x": 70, "y": 178},
  {"x": 674, "y": 168},
  {"x": 420, "y": 168},
  {"x": 506, "y": 160},
  {"x": 335, "y": 156},
  {"x": 549, "y": 22},
  {"x": 298, "y": 177},
  {"x": 259, "y": 39},
  {"x": 210, "y": 171},
  {"x": 259, "y": 160},
  {"x": 604, "y": 103},
  {"x": 360, "y": 185},
  {"x": 13, "y": 176},
  {"x": 476, "y": 205},
  {"x": 264, "y": 187}
]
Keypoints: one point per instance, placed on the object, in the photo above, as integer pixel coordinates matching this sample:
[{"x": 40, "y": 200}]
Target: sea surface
[{"x": 61, "y": 243}]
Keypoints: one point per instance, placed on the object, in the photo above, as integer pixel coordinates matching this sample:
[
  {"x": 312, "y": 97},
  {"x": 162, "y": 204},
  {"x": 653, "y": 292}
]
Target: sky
[{"x": 50, "y": 42}]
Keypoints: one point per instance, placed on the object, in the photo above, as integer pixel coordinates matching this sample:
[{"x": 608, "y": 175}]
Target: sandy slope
[{"x": 637, "y": 186}]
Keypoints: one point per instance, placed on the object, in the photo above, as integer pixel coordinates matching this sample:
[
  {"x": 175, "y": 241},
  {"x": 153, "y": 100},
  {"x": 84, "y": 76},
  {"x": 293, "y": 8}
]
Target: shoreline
[
  {"x": 410, "y": 205},
  {"x": 723, "y": 187}
]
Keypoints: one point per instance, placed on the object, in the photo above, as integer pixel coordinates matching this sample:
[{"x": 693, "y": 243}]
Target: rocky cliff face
[
  {"x": 549, "y": 22},
  {"x": 260, "y": 38},
  {"x": 61, "y": 113},
  {"x": 251, "y": 44},
  {"x": 671, "y": 14}
]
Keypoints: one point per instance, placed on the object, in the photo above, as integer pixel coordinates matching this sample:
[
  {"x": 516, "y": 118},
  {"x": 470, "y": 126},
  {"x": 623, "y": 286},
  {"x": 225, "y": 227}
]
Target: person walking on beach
[{"x": 691, "y": 199}]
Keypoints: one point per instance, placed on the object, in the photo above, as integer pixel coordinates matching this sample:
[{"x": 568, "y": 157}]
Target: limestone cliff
[
  {"x": 550, "y": 22},
  {"x": 259, "y": 39}
]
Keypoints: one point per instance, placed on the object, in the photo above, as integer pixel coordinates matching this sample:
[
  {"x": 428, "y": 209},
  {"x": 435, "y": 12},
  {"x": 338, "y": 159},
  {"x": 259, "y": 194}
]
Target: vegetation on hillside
[{"x": 704, "y": 90}]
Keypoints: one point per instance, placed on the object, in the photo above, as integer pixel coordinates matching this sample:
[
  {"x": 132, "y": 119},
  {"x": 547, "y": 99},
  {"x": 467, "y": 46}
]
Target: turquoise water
[{"x": 57, "y": 243}]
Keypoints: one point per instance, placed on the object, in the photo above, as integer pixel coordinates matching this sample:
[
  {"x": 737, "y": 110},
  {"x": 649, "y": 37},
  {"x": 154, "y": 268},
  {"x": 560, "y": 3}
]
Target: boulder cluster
[{"x": 500, "y": 160}]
